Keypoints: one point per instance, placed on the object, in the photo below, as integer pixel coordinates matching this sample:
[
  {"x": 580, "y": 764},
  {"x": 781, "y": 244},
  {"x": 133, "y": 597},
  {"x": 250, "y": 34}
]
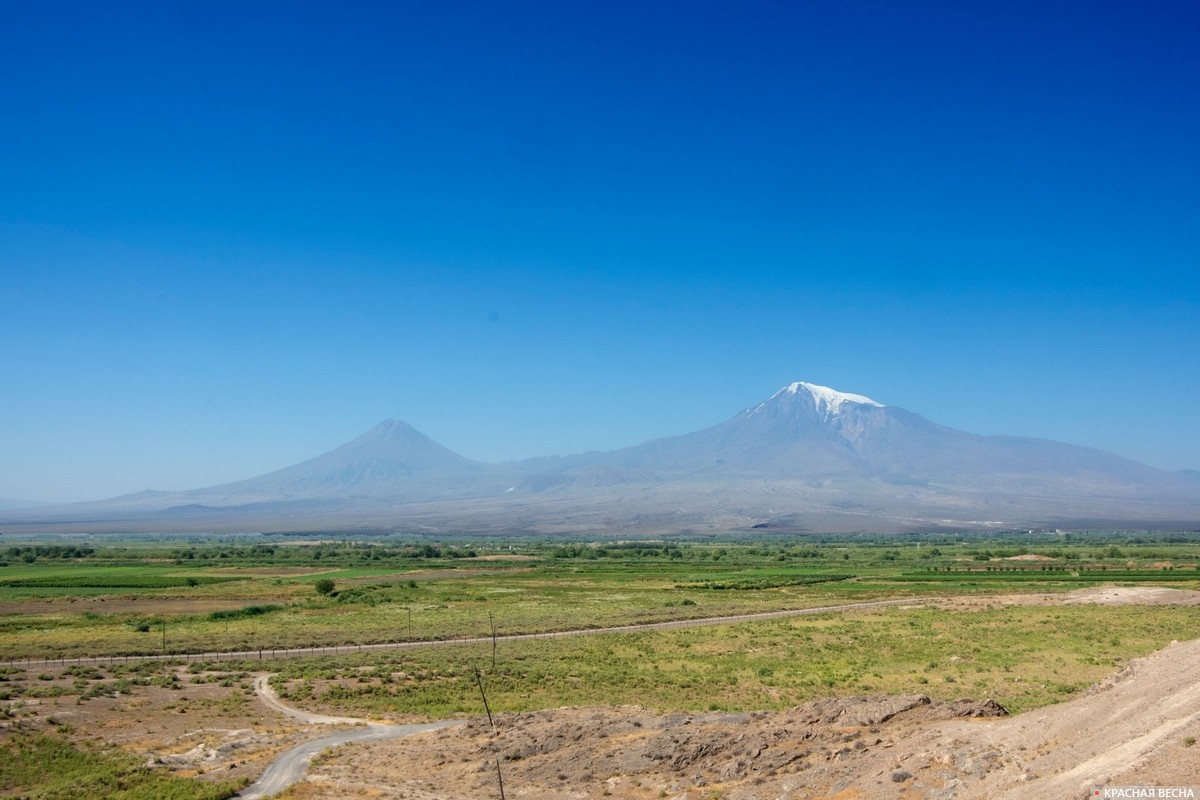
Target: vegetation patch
[
  {"x": 244, "y": 613},
  {"x": 104, "y": 580},
  {"x": 61, "y": 771},
  {"x": 768, "y": 582}
]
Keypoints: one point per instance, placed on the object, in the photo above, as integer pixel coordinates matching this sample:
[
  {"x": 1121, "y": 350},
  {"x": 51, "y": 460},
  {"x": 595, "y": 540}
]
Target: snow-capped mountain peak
[{"x": 824, "y": 399}]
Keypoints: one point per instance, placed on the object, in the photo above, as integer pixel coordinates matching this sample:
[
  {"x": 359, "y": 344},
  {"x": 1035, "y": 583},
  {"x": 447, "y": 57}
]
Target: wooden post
[
  {"x": 492, "y": 622},
  {"x": 500, "y": 778},
  {"x": 492, "y": 722}
]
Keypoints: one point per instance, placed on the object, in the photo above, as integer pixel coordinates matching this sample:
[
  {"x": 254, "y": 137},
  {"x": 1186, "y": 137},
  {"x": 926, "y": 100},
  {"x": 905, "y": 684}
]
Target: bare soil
[{"x": 1097, "y": 595}]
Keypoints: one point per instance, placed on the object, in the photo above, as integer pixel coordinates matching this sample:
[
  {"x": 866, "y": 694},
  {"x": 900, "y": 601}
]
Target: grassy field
[
  {"x": 1022, "y": 657},
  {"x": 157, "y": 597}
]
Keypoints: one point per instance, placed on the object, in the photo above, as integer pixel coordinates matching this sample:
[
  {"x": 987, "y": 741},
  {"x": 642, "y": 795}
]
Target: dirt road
[
  {"x": 290, "y": 767},
  {"x": 262, "y": 688}
]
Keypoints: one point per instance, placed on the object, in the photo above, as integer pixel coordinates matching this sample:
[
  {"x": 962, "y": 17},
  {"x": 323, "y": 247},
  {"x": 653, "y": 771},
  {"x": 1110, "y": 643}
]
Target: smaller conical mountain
[{"x": 392, "y": 460}]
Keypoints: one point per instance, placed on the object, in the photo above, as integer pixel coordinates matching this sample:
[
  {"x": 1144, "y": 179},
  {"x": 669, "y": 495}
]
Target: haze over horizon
[{"x": 232, "y": 238}]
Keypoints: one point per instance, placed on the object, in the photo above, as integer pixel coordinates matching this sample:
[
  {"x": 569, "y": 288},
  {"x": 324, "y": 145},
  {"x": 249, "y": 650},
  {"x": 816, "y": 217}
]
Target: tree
[{"x": 324, "y": 586}]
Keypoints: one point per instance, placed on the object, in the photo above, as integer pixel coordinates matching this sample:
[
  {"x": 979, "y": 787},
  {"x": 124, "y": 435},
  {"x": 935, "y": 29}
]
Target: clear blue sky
[{"x": 236, "y": 235}]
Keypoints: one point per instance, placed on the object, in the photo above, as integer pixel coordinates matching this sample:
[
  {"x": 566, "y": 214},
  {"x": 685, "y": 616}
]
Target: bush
[
  {"x": 248, "y": 611},
  {"x": 324, "y": 586}
]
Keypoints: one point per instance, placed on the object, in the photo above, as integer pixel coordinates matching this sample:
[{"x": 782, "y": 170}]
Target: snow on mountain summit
[{"x": 824, "y": 398}]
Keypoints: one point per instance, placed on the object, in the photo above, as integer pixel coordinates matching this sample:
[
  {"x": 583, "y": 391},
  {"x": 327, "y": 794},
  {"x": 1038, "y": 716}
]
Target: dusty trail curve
[{"x": 290, "y": 766}]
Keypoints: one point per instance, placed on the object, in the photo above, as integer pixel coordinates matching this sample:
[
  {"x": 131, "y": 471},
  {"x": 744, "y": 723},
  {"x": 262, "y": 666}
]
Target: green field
[
  {"x": 1022, "y": 657},
  {"x": 154, "y": 597}
]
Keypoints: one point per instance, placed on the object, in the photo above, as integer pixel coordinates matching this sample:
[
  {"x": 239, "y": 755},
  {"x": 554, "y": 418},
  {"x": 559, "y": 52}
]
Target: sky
[{"x": 236, "y": 235}]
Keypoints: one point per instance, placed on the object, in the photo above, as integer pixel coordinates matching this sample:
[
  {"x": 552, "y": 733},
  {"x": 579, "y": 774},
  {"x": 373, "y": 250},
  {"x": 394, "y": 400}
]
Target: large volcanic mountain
[{"x": 809, "y": 458}]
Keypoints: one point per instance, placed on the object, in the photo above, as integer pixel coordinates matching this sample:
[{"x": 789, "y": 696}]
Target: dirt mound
[{"x": 627, "y": 752}]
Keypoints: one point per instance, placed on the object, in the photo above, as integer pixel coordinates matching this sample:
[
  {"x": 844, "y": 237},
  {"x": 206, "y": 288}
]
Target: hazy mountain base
[
  {"x": 605, "y": 514},
  {"x": 768, "y": 507}
]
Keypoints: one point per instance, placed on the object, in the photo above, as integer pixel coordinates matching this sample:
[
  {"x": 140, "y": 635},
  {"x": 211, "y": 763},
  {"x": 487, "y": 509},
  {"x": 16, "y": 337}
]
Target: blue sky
[{"x": 233, "y": 236}]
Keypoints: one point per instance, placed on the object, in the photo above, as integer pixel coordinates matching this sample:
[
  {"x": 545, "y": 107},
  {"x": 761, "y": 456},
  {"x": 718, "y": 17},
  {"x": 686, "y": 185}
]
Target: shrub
[{"x": 248, "y": 611}]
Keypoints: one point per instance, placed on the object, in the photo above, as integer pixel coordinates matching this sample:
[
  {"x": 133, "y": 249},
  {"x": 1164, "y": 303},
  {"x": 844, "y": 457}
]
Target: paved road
[
  {"x": 290, "y": 767},
  {"x": 302, "y": 652}
]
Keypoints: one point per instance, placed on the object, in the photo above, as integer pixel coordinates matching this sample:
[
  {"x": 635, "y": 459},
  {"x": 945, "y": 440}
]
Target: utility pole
[
  {"x": 492, "y": 622},
  {"x": 500, "y": 778},
  {"x": 483, "y": 694}
]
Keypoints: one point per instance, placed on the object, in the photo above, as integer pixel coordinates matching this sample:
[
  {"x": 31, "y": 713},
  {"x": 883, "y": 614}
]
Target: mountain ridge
[{"x": 829, "y": 459}]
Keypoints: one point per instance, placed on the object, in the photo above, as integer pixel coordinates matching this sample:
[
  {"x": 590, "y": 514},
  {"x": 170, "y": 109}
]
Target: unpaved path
[
  {"x": 290, "y": 767},
  {"x": 262, "y": 688}
]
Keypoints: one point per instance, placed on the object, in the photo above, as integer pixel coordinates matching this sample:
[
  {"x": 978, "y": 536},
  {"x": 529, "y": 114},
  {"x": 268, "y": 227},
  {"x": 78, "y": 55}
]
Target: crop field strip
[{"x": 309, "y": 652}]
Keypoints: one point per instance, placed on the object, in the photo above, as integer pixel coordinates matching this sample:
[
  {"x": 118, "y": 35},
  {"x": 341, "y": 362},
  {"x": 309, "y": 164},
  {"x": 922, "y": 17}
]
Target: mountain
[
  {"x": 813, "y": 433},
  {"x": 392, "y": 460},
  {"x": 809, "y": 458},
  {"x": 811, "y": 449}
]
